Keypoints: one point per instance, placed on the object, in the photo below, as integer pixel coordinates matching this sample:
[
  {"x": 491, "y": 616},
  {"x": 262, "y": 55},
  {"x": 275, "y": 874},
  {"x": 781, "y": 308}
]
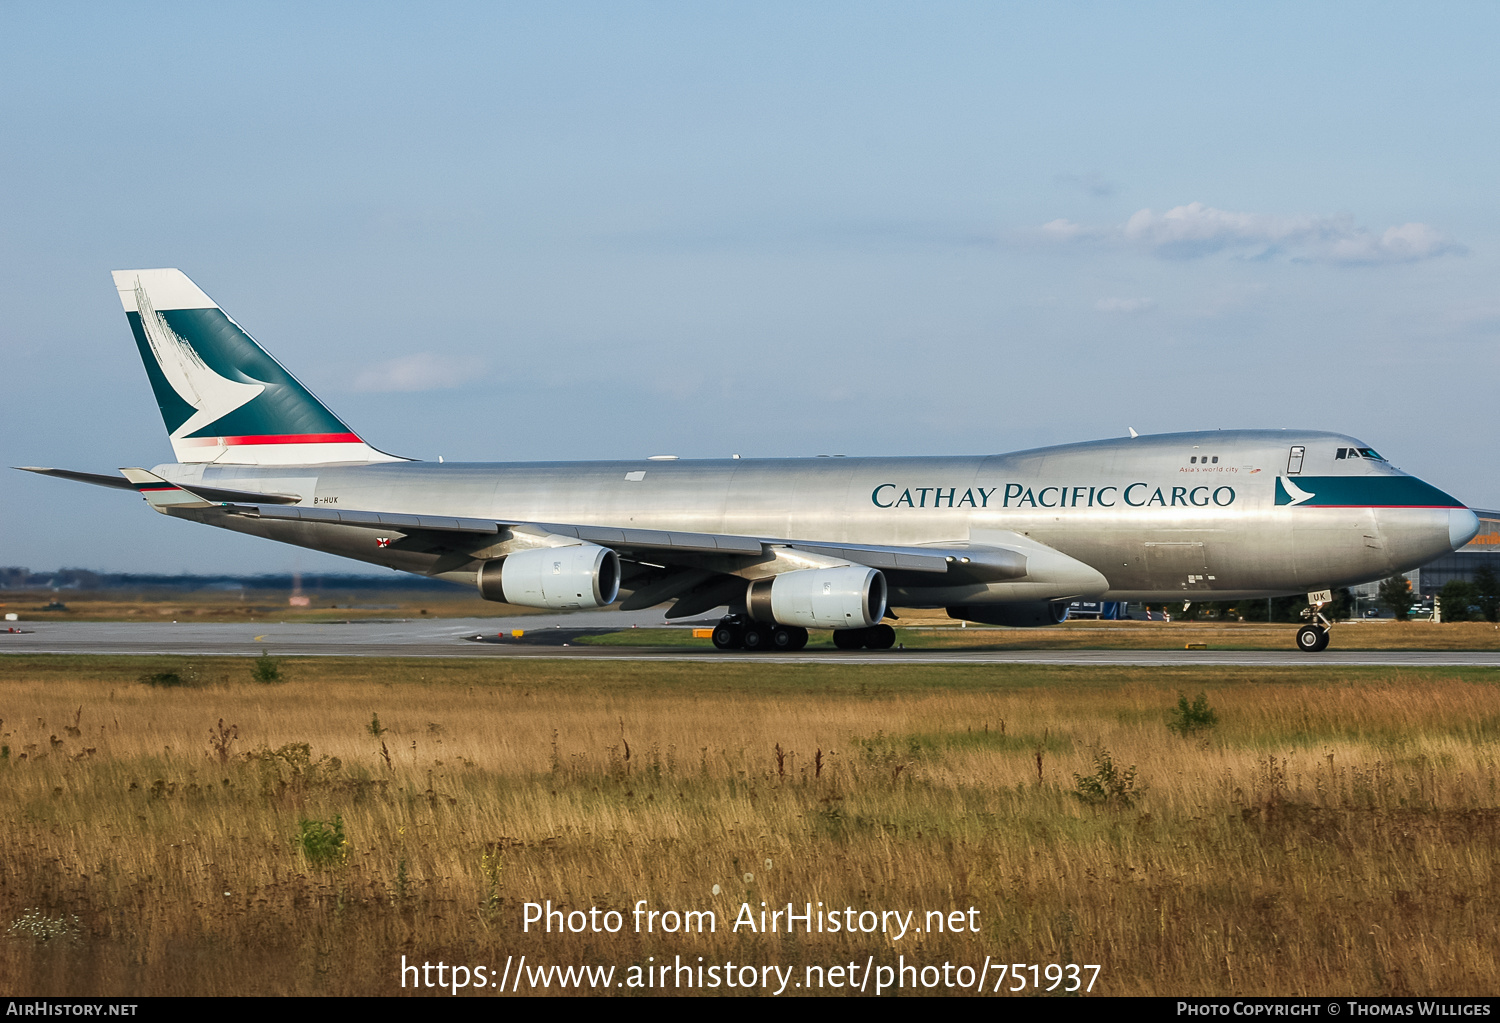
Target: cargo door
[{"x": 1178, "y": 565}]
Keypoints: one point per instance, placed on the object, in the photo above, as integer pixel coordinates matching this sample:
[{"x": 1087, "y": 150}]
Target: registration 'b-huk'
[{"x": 782, "y": 545}]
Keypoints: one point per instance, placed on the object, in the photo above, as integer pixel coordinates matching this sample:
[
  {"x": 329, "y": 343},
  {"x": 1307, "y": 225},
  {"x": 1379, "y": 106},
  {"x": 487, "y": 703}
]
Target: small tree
[
  {"x": 267, "y": 668},
  {"x": 1191, "y": 718},
  {"x": 1487, "y": 593},
  {"x": 1342, "y": 606},
  {"x": 1107, "y": 786},
  {"x": 1457, "y": 595},
  {"x": 1395, "y": 596}
]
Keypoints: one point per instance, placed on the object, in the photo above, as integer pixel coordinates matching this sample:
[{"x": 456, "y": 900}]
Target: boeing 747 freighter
[{"x": 785, "y": 544}]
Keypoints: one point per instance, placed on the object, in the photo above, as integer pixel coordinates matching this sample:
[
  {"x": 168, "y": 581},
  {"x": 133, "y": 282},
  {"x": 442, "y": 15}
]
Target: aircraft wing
[
  {"x": 663, "y": 544},
  {"x": 698, "y": 571}
]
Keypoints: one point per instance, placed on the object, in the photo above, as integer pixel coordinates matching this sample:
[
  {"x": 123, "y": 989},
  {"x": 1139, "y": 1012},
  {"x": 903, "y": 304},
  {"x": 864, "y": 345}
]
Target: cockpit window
[{"x": 1370, "y": 453}]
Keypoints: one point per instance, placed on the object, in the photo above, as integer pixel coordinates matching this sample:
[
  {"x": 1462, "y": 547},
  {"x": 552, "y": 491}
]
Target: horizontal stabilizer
[
  {"x": 95, "y": 478},
  {"x": 140, "y": 481},
  {"x": 160, "y": 493}
]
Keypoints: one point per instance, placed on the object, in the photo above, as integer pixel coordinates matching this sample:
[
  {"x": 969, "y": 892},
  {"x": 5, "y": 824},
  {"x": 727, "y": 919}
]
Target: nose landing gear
[{"x": 1313, "y": 637}]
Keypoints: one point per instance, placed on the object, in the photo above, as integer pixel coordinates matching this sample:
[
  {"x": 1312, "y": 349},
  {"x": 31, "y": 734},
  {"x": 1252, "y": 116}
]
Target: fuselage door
[
  {"x": 1178, "y": 565},
  {"x": 1294, "y": 460}
]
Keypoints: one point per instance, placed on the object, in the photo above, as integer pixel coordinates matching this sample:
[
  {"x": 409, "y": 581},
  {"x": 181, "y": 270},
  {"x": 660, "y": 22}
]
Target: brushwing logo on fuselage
[
  {"x": 1289, "y": 494},
  {"x": 212, "y": 396}
]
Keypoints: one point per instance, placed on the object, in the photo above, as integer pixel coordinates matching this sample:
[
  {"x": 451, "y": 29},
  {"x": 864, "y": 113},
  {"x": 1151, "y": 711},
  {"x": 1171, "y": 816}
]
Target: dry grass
[{"x": 1336, "y": 833}]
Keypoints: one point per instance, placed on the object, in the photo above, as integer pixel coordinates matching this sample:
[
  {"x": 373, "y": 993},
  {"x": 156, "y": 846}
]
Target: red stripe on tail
[{"x": 272, "y": 438}]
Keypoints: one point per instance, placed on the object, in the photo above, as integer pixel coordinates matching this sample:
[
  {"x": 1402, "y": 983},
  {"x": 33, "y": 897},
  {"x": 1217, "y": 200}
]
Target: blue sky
[{"x": 545, "y": 231}]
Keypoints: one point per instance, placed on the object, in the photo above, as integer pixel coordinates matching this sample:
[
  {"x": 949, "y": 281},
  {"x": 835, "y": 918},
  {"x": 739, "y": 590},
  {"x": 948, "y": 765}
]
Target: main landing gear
[
  {"x": 876, "y": 637},
  {"x": 1313, "y": 637},
  {"x": 736, "y": 632}
]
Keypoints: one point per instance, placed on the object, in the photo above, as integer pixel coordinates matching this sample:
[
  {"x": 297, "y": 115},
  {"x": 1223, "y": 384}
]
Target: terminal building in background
[{"x": 1480, "y": 552}]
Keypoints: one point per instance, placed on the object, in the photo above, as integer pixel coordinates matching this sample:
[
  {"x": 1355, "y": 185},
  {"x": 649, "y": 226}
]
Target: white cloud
[
  {"x": 1064, "y": 230},
  {"x": 1195, "y": 230},
  {"x": 1125, "y": 305},
  {"x": 421, "y": 371}
]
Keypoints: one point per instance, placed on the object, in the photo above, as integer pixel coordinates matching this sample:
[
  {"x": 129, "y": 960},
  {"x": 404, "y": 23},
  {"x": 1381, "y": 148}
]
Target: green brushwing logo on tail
[
  {"x": 223, "y": 398},
  {"x": 212, "y": 380}
]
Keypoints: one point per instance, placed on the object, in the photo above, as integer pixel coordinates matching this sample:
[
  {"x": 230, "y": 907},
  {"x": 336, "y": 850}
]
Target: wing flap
[
  {"x": 885, "y": 558},
  {"x": 373, "y": 520},
  {"x": 653, "y": 539}
]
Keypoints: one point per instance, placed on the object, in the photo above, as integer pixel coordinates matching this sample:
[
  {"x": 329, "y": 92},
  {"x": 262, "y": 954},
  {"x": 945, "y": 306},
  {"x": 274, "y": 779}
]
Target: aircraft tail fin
[{"x": 223, "y": 398}]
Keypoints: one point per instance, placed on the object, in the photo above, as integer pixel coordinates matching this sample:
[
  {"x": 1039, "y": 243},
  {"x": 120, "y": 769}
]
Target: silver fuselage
[{"x": 1193, "y": 515}]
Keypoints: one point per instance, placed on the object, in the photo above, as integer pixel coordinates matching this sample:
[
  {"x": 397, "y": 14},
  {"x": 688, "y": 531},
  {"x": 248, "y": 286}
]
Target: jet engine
[
  {"x": 848, "y": 597},
  {"x": 1020, "y": 616},
  {"x": 562, "y": 578}
]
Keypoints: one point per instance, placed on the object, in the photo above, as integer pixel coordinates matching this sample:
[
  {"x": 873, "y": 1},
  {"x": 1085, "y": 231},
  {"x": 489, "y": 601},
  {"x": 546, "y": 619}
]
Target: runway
[{"x": 456, "y": 637}]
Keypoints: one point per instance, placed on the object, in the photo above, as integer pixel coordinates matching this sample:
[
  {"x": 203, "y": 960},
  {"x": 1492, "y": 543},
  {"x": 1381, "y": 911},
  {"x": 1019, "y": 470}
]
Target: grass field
[{"x": 1337, "y": 831}]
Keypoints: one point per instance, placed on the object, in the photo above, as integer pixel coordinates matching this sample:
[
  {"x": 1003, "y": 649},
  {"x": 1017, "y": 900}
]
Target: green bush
[
  {"x": 1191, "y": 718},
  {"x": 267, "y": 668},
  {"x": 322, "y": 842},
  {"x": 185, "y": 674},
  {"x": 1107, "y": 786}
]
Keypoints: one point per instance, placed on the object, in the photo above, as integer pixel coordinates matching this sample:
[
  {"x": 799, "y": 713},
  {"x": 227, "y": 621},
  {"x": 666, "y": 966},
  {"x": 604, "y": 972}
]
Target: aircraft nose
[{"x": 1463, "y": 526}]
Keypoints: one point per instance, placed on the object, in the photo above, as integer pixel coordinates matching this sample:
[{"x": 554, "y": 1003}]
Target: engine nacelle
[
  {"x": 1018, "y": 616},
  {"x": 562, "y": 578},
  {"x": 848, "y": 597}
]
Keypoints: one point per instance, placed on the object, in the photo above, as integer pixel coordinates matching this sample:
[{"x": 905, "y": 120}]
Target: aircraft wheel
[
  {"x": 880, "y": 637},
  {"x": 757, "y": 638},
  {"x": 1312, "y": 638},
  {"x": 848, "y": 639},
  {"x": 788, "y": 638},
  {"x": 728, "y": 637}
]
